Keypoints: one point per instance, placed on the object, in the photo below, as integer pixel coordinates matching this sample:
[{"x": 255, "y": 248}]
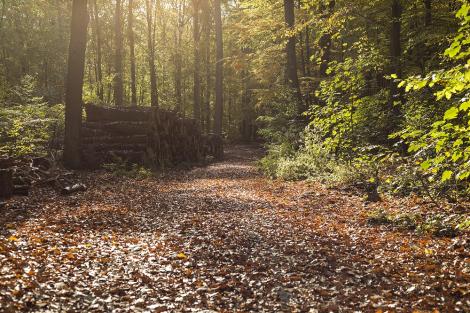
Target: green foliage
[
  {"x": 309, "y": 162},
  {"x": 441, "y": 224},
  {"x": 28, "y": 124},
  {"x": 443, "y": 149},
  {"x": 121, "y": 168}
]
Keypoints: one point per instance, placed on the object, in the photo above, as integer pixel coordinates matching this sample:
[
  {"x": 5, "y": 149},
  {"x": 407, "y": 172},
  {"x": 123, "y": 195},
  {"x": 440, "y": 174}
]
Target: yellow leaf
[
  {"x": 182, "y": 256},
  {"x": 70, "y": 256},
  {"x": 13, "y": 238},
  {"x": 429, "y": 252},
  {"x": 56, "y": 251}
]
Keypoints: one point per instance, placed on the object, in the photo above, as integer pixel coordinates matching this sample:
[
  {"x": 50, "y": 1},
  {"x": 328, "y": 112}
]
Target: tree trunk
[
  {"x": 197, "y": 63},
  {"x": 2, "y": 14},
  {"x": 118, "y": 82},
  {"x": 292, "y": 76},
  {"x": 428, "y": 13},
  {"x": 6, "y": 183},
  {"x": 74, "y": 84},
  {"x": 151, "y": 53},
  {"x": 308, "y": 53},
  {"x": 178, "y": 60},
  {"x": 207, "y": 56},
  {"x": 131, "y": 38},
  {"x": 98, "y": 51},
  {"x": 395, "y": 62},
  {"x": 325, "y": 45},
  {"x": 395, "y": 45},
  {"x": 219, "y": 70}
]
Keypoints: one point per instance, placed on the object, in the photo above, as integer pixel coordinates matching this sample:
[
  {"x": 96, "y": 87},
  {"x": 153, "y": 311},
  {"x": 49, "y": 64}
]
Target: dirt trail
[{"x": 220, "y": 238}]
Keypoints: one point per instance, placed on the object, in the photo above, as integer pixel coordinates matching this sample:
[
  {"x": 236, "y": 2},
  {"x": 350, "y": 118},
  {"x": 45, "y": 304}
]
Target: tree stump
[{"x": 6, "y": 183}]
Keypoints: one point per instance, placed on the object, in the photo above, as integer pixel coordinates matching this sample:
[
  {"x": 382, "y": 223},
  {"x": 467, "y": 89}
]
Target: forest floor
[{"x": 220, "y": 238}]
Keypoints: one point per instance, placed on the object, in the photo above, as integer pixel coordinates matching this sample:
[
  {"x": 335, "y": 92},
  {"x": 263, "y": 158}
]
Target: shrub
[{"x": 28, "y": 125}]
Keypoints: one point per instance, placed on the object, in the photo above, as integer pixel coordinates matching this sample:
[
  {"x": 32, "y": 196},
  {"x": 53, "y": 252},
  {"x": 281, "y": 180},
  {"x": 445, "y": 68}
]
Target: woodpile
[
  {"x": 6, "y": 183},
  {"x": 18, "y": 175},
  {"x": 150, "y": 136}
]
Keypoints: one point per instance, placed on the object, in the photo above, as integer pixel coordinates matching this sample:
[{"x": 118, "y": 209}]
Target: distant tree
[
  {"x": 151, "y": 52},
  {"x": 395, "y": 54},
  {"x": 206, "y": 30},
  {"x": 97, "y": 38},
  {"x": 219, "y": 69},
  {"x": 118, "y": 79},
  {"x": 74, "y": 84},
  {"x": 197, "y": 62},
  {"x": 178, "y": 58},
  {"x": 131, "y": 39},
  {"x": 292, "y": 76}
]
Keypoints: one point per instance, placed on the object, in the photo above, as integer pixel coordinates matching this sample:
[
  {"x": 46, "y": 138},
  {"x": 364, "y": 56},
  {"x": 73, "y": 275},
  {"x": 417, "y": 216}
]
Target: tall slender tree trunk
[
  {"x": 131, "y": 38},
  {"x": 197, "y": 62},
  {"x": 395, "y": 59},
  {"x": 151, "y": 53},
  {"x": 308, "y": 52},
  {"x": 219, "y": 70},
  {"x": 427, "y": 13},
  {"x": 325, "y": 45},
  {"x": 301, "y": 43},
  {"x": 2, "y": 14},
  {"x": 207, "y": 59},
  {"x": 292, "y": 76},
  {"x": 118, "y": 79},
  {"x": 74, "y": 84},
  {"x": 395, "y": 43},
  {"x": 160, "y": 16},
  {"x": 98, "y": 51},
  {"x": 178, "y": 59}
]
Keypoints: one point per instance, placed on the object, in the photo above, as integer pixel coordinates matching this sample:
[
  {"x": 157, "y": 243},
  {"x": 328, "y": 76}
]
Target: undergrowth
[
  {"x": 437, "y": 224},
  {"x": 121, "y": 168}
]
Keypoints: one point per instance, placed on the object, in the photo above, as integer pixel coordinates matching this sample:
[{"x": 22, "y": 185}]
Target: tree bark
[
  {"x": 428, "y": 13},
  {"x": 118, "y": 80},
  {"x": 151, "y": 53},
  {"x": 197, "y": 62},
  {"x": 395, "y": 43},
  {"x": 98, "y": 51},
  {"x": 292, "y": 76},
  {"x": 6, "y": 183},
  {"x": 308, "y": 53},
  {"x": 395, "y": 57},
  {"x": 219, "y": 70},
  {"x": 325, "y": 45},
  {"x": 131, "y": 38},
  {"x": 2, "y": 14},
  {"x": 178, "y": 59},
  {"x": 207, "y": 58},
  {"x": 74, "y": 84}
]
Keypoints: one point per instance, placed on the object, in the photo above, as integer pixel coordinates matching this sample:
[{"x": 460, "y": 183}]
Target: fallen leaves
[
  {"x": 182, "y": 256},
  {"x": 220, "y": 238}
]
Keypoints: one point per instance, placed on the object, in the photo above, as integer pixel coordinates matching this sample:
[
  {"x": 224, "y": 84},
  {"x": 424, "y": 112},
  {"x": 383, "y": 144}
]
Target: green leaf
[
  {"x": 426, "y": 165},
  {"x": 463, "y": 175},
  {"x": 446, "y": 176},
  {"x": 448, "y": 95},
  {"x": 465, "y": 106},
  {"x": 457, "y": 156},
  {"x": 451, "y": 114}
]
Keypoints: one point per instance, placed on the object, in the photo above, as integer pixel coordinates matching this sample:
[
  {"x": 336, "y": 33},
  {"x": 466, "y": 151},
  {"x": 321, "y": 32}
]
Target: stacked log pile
[
  {"x": 148, "y": 136},
  {"x": 17, "y": 175}
]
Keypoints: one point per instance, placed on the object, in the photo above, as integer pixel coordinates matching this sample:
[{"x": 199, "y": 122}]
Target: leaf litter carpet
[{"x": 219, "y": 239}]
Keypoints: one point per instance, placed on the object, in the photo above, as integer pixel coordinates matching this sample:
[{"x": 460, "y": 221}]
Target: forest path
[{"x": 221, "y": 238}]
